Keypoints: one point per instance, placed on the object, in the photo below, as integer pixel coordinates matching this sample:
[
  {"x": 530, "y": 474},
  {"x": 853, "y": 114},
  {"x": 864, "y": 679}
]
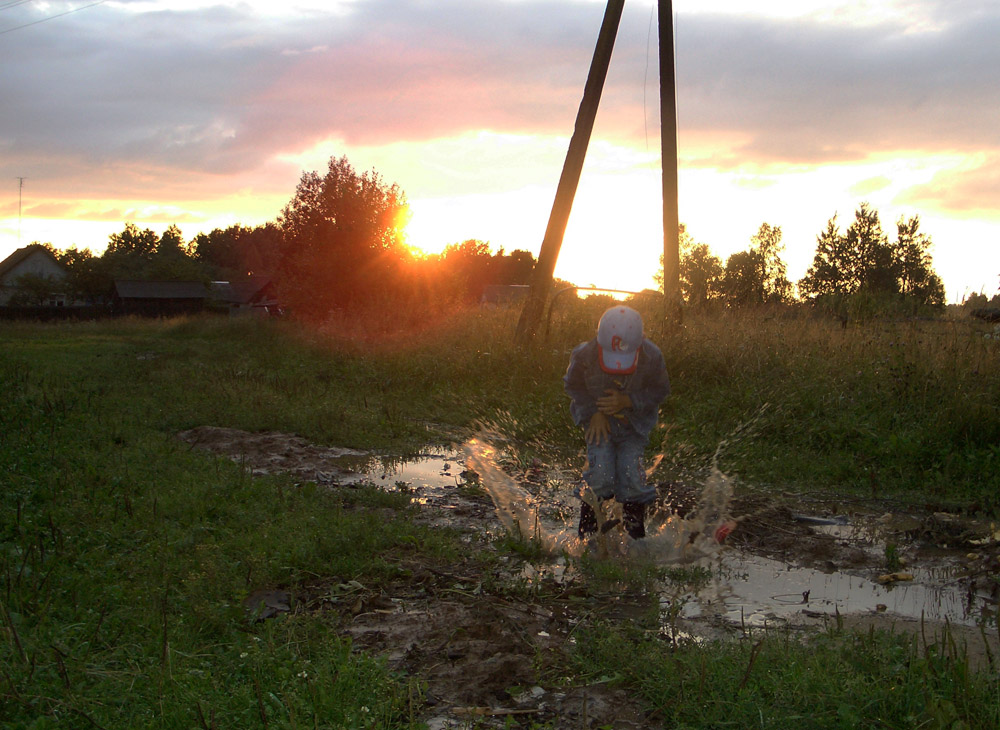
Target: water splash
[
  {"x": 517, "y": 509},
  {"x": 670, "y": 537}
]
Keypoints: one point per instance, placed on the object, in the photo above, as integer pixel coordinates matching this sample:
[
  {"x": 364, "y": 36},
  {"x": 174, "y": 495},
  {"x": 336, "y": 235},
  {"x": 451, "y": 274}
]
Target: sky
[{"x": 206, "y": 114}]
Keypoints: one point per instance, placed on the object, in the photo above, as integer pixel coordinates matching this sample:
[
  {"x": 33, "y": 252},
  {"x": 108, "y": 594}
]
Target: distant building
[
  {"x": 159, "y": 298},
  {"x": 496, "y": 295},
  {"x": 32, "y": 275},
  {"x": 254, "y": 295}
]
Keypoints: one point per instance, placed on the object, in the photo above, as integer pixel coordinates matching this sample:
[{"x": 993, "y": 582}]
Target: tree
[
  {"x": 34, "y": 290},
  {"x": 240, "y": 250},
  {"x": 741, "y": 282},
  {"x": 132, "y": 242},
  {"x": 916, "y": 274},
  {"x": 701, "y": 274},
  {"x": 343, "y": 236},
  {"x": 828, "y": 274},
  {"x": 774, "y": 286},
  {"x": 874, "y": 265},
  {"x": 700, "y": 271},
  {"x": 757, "y": 276},
  {"x": 470, "y": 267},
  {"x": 145, "y": 256},
  {"x": 512, "y": 268},
  {"x": 85, "y": 281},
  {"x": 861, "y": 260},
  {"x": 975, "y": 301},
  {"x": 467, "y": 267},
  {"x": 864, "y": 262},
  {"x": 171, "y": 260}
]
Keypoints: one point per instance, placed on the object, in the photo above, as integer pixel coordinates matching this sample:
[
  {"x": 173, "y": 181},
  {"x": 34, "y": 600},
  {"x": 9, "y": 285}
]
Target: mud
[{"x": 792, "y": 562}]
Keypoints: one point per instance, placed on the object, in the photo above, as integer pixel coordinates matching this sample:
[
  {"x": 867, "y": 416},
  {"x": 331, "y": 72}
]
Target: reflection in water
[{"x": 758, "y": 590}]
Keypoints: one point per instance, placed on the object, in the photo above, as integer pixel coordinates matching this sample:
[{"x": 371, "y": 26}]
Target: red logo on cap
[{"x": 616, "y": 343}]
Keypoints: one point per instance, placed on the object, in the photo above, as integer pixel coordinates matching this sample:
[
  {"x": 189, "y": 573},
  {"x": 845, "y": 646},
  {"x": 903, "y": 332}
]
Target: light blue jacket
[{"x": 585, "y": 382}]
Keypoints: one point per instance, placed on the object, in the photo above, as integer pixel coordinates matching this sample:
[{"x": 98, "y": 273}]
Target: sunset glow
[{"x": 206, "y": 115}]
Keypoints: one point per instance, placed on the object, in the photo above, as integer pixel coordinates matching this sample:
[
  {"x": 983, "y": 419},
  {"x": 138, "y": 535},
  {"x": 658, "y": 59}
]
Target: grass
[
  {"x": 125, "y": 557},
  {"x": 905, "y": 409},
  {"x": 774, "y": 680}
]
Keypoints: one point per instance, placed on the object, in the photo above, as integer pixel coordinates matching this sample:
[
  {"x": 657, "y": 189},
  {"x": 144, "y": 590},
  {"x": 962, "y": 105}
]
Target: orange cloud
[{"x": 972, "y": 191}]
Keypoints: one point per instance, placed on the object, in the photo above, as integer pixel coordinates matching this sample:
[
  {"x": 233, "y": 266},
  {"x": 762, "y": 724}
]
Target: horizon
[{"x": 206, "y": 116}]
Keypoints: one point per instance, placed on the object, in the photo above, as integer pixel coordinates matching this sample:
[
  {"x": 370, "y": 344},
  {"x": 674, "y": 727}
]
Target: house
[
  {"x": 254, "y": 295},
  {"x": 159, "y": 298},
  {"x": 32, "y": 275},
  {"x": 495, "y": 295}
]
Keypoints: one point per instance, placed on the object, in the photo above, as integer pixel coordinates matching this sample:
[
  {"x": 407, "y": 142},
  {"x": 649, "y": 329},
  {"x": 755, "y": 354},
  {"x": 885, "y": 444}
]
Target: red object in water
[{"x": 723, "y": 530}]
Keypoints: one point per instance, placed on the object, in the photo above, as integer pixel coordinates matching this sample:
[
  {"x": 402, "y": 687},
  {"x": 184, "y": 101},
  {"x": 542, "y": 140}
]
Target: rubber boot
[
  {"x": 588, "y": 521},
  {"x": 635, "y": 519}
]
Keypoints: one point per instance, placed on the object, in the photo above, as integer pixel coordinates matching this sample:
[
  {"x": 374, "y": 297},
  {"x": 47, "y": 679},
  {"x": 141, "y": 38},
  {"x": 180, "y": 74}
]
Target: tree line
[
  {"x": 339, "y": 245},
  {"x": 859, "y": 268}
]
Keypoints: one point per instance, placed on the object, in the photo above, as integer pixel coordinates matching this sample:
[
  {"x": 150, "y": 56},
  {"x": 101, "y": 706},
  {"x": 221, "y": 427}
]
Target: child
[{"x": 616, "y": 382}]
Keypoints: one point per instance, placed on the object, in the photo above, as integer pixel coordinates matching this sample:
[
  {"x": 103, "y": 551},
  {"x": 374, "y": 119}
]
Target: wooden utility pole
[
  {"x": 541, "y": 277},
  {"x": 668, "y": 164}
]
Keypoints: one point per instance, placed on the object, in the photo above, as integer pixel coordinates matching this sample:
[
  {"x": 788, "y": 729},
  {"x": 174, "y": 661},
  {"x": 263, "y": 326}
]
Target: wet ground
[{"x": 792, "y": 562}]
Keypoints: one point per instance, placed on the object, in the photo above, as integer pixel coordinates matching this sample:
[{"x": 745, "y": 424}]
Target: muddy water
[
  {"x": 758, "y": 591},
  {"x": 672, "y": 541},
  {"x": 747, "y": 589}
]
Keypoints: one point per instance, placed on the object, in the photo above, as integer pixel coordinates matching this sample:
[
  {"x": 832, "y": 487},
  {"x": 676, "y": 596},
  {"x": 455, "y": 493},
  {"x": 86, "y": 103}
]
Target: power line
[
  {"x": 645, "y": 75},
  {"x": 14, "y": 4},
  {"x": 52, "y": 17}
]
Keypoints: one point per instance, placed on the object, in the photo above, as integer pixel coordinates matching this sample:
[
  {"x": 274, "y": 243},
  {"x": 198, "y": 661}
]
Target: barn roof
[
  {"x": 9, "y": 263},
  {"x": 244, "y": 291},
  {"x": 127, "y": 289},
  {"x": 240, "y": 291}
]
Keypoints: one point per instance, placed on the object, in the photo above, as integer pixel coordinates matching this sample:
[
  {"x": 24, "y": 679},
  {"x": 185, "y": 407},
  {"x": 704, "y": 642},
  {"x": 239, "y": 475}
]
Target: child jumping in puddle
[{"x": 616, "y": 382}]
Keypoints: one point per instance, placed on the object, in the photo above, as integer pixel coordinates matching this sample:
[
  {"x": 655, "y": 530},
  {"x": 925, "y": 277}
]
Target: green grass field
[{"x": 126, "y": 556}]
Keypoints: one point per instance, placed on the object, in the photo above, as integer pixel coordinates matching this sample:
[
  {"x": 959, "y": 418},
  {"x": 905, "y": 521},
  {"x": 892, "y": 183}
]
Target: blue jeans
[{"x": 615, "y": 468}]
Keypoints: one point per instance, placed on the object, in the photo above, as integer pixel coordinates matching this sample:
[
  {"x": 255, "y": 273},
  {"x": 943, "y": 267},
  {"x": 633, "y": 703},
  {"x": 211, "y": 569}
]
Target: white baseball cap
[{"x": 619, "y": 336}]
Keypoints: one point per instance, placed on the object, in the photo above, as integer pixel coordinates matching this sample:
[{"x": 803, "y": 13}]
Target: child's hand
[
  {"x": 613, "y": 401},
  {"x": 598, "y": 430}
]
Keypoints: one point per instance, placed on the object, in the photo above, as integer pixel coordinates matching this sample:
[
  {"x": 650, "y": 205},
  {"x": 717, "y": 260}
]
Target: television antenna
[{"x": 20, "y": 187}]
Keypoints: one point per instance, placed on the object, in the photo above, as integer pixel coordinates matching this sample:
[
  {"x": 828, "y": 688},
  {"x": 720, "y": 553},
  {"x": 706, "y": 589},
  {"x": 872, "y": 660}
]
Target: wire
[
  {"x": 14, "y": 4},
  {"x": 645, "y": 77},
  {"x": 52, "y": 17}
]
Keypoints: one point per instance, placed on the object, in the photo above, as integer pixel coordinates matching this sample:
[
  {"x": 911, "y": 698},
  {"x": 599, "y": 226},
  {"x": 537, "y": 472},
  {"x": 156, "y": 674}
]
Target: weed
[
  {"x": 893, "y": 562},
  {"x": 774, "y": 680}
]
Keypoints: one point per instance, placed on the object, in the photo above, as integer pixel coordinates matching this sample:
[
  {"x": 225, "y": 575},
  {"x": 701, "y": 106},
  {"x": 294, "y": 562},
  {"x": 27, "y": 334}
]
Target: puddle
[
  {"x": 759, "y": 590},
  {"x": 778, "y": 566},
  {"x": 431, "y": 477},
  {"x": 753, "y": 589},
  {"x": 484, "y": 657}
]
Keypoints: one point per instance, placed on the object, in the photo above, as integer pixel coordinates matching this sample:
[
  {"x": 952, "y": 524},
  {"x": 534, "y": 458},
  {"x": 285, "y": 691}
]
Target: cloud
[
  {"x": 147, "y": 214},
  {"x": 807, "y": 94},
  {"x": 131, "y": 97},
  {"x": 973, "y": 190},
  {"x": 870, "y": 185}
]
